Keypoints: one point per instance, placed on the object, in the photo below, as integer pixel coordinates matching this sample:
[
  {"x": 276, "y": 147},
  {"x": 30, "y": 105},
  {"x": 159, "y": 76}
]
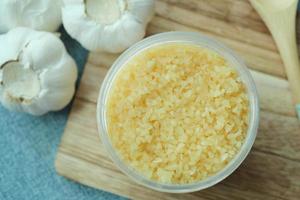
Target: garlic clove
[
  {"x": 111, "y": 10},
  {"x": 21, "y": 85},
  {"x": 143, "y": 10},
  {"x": 131, "y": 30},
  {"x": 101, "y": 25},
  {"x": 19, "y": 39},
  {"x": 55, "y": 77},
  {"x": 37, "y": 14},
  {"x": 40, "y": 76},
  {"x": 53, "y": 99},
  {"x": 51, "y": 48}
]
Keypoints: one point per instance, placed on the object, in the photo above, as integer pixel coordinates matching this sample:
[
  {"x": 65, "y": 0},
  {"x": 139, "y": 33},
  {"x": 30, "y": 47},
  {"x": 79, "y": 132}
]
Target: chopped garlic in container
[{"x": 177, "y": 113}]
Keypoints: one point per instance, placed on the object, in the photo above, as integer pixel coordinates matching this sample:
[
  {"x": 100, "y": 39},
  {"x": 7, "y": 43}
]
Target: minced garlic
[{"x": 177, "y": 113}]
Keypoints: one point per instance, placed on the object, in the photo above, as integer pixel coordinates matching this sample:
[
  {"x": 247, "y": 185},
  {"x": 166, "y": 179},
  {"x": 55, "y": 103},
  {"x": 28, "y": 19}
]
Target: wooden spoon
[{"x": 280, "y": 17}]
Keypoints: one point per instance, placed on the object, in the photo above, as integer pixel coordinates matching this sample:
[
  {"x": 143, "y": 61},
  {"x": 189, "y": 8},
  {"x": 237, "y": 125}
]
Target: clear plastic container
[{"x": 186, "y": 38}]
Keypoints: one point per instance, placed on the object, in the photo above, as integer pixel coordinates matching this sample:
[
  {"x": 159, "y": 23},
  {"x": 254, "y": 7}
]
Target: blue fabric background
[{"x": 28, "y": 147}]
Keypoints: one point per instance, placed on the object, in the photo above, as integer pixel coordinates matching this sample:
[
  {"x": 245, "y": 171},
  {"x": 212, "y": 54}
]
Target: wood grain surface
[{"x": 272, "y": 169}]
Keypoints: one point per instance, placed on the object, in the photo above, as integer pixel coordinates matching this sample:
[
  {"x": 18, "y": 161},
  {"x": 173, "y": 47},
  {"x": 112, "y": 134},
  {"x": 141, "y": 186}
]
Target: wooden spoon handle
[
  {"x": 282, "y": 24},
  {"x": 289, "y": 53},
  {"x": 286, "y": 42},
  {"x": 285, "y": 38}
]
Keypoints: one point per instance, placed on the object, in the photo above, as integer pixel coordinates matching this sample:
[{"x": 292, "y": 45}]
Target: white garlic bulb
[
  {"x": 107, "y": 25},
  {"x": 37, "y": 74},
  {"x": 37, "y": 14}
]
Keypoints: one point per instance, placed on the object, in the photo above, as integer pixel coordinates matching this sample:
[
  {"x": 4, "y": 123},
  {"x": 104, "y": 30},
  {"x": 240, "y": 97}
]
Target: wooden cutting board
[{"x": 271, "y": 171}]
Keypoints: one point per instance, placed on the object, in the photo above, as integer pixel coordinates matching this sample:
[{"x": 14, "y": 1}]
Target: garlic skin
[
  {"x": 42, "y": 15},
  {"x": 37, "y": 75},
  {"x": 102, "y": 25}
]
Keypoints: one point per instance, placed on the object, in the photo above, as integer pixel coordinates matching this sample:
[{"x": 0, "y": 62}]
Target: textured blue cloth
[{"x": 28, "y": 147}]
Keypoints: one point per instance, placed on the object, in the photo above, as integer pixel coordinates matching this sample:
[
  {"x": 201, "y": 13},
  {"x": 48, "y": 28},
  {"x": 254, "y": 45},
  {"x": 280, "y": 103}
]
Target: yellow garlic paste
[{"x": 177, "y": 113}]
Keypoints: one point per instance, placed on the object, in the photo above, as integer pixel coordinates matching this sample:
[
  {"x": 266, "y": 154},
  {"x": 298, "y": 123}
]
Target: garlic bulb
[
  {"x": 107, "y": 25},
  {"x": 37, "y": 14},
  {"x": 37, "y": 74}
]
